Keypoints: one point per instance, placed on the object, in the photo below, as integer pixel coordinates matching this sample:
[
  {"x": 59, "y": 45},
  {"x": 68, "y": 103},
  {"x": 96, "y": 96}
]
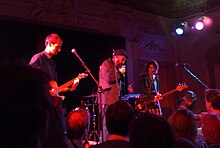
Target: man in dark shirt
[{"x": 43, "y": 61}]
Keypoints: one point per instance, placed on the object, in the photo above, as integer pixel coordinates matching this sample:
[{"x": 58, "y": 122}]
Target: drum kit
[{"x": 90, "y": 103}]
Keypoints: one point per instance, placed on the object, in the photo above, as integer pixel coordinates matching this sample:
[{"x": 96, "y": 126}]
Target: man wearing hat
[
  {"x": 188, "y": 101},
  {"x": 110, "y": 73}
]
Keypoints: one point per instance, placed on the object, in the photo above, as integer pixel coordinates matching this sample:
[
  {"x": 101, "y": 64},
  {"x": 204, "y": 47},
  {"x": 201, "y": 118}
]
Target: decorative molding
[
  {"x": 59, "y": 12},
  {"x": 151, "y": 46}
]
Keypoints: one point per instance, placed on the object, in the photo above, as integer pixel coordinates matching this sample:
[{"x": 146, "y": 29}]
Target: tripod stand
[{"x": 94, "y": 132}]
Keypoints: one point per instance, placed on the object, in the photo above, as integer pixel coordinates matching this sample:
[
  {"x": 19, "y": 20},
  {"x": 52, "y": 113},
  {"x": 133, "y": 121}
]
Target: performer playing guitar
[
  {"x": 145, "y": 103},
  {"x": 65, "y": 87}
]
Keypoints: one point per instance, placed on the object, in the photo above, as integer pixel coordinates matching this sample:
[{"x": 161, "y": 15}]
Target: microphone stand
[
  {"x": 195, "y": 77},
  {"x": 100, "y": 90},
  {"x": 87, "y": 69}
]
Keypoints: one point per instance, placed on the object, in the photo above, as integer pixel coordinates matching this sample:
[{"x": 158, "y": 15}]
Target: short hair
[
  {"x": 118, "y": 117},
  {"x": 151, "y": 62},
  {"x": 53, "y": 38},
  {"x": 213, "y": 96},
  {"x": 78, "y": 121},
  {"x": 150, "y": 130}
]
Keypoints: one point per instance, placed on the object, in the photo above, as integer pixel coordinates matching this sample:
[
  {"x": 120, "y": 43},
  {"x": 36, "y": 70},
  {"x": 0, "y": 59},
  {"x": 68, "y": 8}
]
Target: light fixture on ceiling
[
  {"x": 207, "y": 21},
  {"x": 199, "y": 25},
  {"x": 181, "y": 29},
  {"x": 202, "y": 22}
]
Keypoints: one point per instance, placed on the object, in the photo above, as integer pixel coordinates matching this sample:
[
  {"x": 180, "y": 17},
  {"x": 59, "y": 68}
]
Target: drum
[
  {"x": 89, "y": 100},
  {"x": 81, "y": 108}
]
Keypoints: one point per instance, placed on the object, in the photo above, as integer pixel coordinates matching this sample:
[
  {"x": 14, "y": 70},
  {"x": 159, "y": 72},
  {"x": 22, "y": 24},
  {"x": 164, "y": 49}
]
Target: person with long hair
[
  {"x": 184, "y": 126},
  {"x": 149, "y": 89}
]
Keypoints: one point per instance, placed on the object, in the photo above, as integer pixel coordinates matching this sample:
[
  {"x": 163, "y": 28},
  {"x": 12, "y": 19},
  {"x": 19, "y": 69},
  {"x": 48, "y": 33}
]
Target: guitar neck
[
  {"x": 67, "y": 84},
  {"x": 169, "y": 92}
]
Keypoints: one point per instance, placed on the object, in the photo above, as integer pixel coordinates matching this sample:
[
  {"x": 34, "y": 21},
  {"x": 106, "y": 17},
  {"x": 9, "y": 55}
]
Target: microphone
[
  {"x": 182, "y": 64},
  {"x": 84, "y": 65},
  {"x": 113, "y": 52},
  {"x": 74, "y": 51}
]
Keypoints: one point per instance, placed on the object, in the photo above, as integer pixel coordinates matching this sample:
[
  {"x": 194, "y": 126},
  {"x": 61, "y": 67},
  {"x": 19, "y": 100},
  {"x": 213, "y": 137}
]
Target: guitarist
[
  {"x": 149, "y": 89},
  {"x": 43, "y": 60}
]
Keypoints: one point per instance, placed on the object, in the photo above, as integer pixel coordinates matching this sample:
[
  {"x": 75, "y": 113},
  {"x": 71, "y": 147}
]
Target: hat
[
  {"x": 190, "y": 95},
  {"x": 120, "y": 52}
]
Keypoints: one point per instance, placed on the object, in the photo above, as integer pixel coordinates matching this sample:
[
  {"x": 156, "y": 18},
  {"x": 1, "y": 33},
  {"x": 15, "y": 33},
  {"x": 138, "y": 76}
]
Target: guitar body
[
  {"x": 55, "y": 90},
  {"x": 146, "y": 103}
]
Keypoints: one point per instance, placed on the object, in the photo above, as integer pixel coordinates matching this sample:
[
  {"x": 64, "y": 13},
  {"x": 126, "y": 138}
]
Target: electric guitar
[
  {"x": 143, "y": 102},
  {"x": 74, "y": 82}
]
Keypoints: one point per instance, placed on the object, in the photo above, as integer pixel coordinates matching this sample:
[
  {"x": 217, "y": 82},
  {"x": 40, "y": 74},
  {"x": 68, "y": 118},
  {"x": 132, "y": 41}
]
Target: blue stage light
[{"x": 179, "y": 31}]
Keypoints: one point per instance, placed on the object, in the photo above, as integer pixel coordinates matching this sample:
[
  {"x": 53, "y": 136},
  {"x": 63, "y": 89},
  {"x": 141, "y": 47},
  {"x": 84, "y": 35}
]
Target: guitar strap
[
  {"x": 159, "y": 108},
  {"x": 159, "y": 111}
]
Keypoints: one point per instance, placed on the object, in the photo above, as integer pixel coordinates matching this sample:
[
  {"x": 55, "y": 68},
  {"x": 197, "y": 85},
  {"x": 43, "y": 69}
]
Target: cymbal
[
  {"x": 88, "y": 105},
  {"x": 90, "y": 96}
]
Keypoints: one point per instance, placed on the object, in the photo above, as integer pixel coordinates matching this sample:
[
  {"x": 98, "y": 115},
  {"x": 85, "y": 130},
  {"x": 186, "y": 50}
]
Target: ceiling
[{"x": 170, "y": 8}]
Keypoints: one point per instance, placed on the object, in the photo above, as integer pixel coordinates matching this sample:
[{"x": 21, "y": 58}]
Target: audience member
[
  {"x": 150, "y": 131},
  {"x": 184, "y": 126},
  {"x": 78, "y": 122},
  {"x": 118, "y": 117},
  {"x": 212, "y": 100},
  {"x": 26, "y": 109},
  {"x": 211, "y": 129}
]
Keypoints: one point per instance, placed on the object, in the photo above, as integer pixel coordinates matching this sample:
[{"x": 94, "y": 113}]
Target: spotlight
[
  {"x": 202, "y": 22},
  {"x": 207, "y": 21},
  {"x": 199, "y": 25},
  {"x": 181, "y": 29}
]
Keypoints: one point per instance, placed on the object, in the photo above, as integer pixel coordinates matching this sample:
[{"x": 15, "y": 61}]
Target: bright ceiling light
[
  {"x": 181, "y": 29},
  {"x": 199, "y": 25}
]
